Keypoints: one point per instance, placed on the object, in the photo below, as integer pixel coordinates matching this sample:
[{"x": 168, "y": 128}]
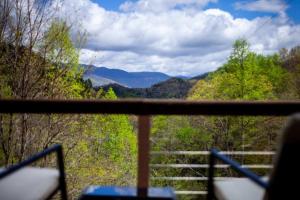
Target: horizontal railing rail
[
  {"x": 151, "y": 107},
  {"x": 255, "y": 153},
  {"x": 197, "y": 178},
  {"x": 190, "y": 192},
  {"x": 144, "y": 109},
  {"x": 206, "y": 166}
]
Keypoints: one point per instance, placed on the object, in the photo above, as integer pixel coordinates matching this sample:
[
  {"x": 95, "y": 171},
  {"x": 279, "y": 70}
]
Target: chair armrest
[
  {"x": 215, "y": 154},
  {"x": 56, "y": 148}
]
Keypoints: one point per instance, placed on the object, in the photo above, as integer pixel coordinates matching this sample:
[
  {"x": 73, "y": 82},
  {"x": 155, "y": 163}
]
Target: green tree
[
  {"x": 245, "y": 76},
  {"x": 104, "y": 152},
  {"x": 290, "y": 60}
]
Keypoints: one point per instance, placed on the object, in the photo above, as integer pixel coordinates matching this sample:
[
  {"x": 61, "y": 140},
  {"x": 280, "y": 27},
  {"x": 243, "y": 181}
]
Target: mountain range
[
  {"x": 174, "y": 88},
  {"x": 101, "y": 76},
  {"x": 140, "y": 84}
]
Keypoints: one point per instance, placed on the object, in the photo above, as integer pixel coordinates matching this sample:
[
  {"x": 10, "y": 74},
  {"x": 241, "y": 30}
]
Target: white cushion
[
  {"x": 29, "y": 183},
  {"x": 237, "y": 189}
]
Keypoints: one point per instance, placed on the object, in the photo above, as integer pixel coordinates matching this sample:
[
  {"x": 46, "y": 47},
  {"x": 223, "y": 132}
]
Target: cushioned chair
[
  {"x": 282, "y": 182},
  {"x": 33, "y": 183}
]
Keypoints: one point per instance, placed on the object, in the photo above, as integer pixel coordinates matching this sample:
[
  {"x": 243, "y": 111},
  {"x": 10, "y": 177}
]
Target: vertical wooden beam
[
  {"x": 210, "y": 183},
  {"x": 143, "y": 155}
]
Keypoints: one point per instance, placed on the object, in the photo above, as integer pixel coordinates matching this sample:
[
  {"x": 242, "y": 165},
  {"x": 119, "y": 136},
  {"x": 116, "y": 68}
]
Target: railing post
[
  {"x": 210, "y": 183},
  {"x": 143, "y": 155},
  {"x": 62, "y": 176}
]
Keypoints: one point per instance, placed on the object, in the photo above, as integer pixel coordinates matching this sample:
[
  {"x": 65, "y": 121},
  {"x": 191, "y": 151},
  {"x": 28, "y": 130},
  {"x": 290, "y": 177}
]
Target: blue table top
[{"x": 128, "y": 192}]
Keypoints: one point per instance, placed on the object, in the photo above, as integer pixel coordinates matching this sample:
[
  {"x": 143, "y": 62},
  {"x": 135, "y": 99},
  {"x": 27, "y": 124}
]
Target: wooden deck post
[{"x": 143, "y": 155}]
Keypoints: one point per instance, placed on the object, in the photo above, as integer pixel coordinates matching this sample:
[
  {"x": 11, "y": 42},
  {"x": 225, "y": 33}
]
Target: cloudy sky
[{"x": 180, "y": 37}]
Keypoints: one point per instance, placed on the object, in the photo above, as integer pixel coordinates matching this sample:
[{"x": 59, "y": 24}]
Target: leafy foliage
[
  {"x": 245, "y": 76},
  {"x": 43, "y": 64}
]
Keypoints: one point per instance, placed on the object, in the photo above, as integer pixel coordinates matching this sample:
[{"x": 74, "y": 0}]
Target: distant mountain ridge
[
  {"x": 140, "y": 84},
  {"x": 175, "y": 88},
  {"x": 101, "y": 76}
]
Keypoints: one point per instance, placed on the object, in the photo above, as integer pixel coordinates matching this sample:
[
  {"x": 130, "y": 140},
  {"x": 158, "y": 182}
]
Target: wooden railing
[
  {"x": 144, "y": 109},
  {"x": 204, "y": 179}
]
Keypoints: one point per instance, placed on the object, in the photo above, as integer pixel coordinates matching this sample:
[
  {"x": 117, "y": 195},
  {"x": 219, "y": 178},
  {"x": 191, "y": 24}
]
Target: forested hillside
[
  {"x": 174, "y": 88},
  {"x": 39, "y": 60}
]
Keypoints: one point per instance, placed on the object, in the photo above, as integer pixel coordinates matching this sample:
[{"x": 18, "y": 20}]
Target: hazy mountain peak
[{"x": 103, "y": 76}]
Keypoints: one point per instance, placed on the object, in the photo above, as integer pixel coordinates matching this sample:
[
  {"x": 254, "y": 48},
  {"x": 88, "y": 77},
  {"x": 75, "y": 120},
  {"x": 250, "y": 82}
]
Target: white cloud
[
  {"x": 177, "y": 41},
  {"x": 270, "y": 6},
  {"x": 183, "y": 65},
  {"x": 162, "y": 5}
]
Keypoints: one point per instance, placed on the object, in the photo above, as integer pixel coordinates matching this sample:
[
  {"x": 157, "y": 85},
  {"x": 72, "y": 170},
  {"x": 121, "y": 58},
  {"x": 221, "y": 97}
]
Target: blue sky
[
  {"x": 228, "y": 5},
  {"x": 293, "y": 11},
  {"x": 180, "y": 37}
]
